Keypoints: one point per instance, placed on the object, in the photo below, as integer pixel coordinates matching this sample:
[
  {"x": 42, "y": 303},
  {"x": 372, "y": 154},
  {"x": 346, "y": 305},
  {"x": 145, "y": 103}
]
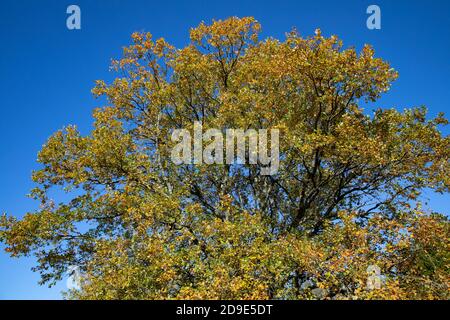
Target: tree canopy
[{"x": 346, "y": 197}]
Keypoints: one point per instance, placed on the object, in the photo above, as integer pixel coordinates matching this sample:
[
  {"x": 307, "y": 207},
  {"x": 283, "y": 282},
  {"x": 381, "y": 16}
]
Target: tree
[{"x": 345, "y": 198}]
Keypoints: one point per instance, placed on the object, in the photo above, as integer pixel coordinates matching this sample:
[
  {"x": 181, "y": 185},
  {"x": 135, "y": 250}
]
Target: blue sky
[{"x": 47, "y": 71}]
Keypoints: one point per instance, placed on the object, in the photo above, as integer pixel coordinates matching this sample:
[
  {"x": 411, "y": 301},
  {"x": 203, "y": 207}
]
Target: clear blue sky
[{"x": 47, "y": 71}]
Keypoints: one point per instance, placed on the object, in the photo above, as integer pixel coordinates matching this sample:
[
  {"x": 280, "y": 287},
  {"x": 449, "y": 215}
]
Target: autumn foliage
[{"x": 346, "y": 198}]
